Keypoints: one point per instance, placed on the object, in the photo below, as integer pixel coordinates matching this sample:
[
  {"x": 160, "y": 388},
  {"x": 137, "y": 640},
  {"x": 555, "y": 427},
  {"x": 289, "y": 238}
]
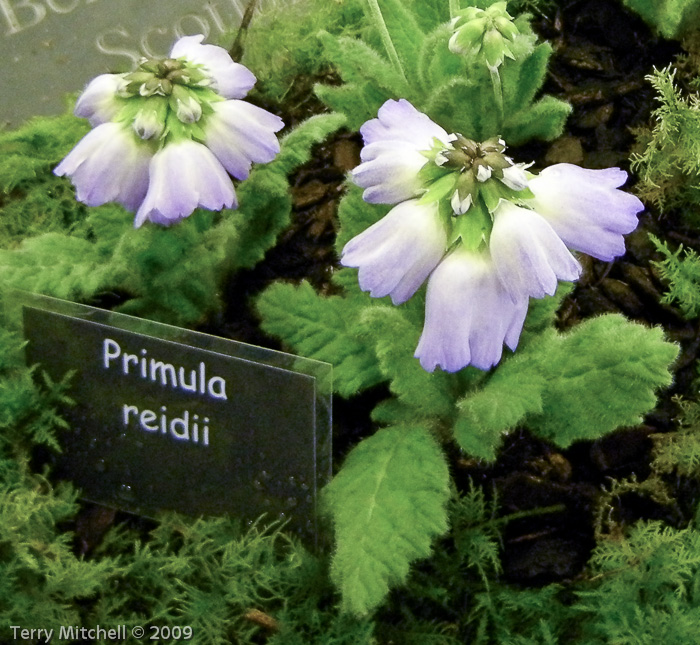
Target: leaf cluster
[{"x": 442, "y": 83}]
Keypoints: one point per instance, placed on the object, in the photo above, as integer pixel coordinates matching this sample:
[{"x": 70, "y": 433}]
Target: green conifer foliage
[{"x": 669, "y": 162}]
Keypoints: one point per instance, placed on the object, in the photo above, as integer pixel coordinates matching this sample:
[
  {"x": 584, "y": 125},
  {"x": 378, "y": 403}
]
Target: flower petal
[
  {"x": 529, "y": 257},
  {"x": 468, "y": 315},
  {"x": 231, "y": 80},
  {"x": 391, "y": 157},
  {"x": 398, "y": 121},
  {"x": 586, "y": 209},
  {"x": 239, "y": 133},
  {"x": 183, "y": 176},
  {"x": 396, "y": 254},
  {"x": 390, "y": 178},
  {"x": 109, "y": 164},
  {"x": 99, "y": 101}
]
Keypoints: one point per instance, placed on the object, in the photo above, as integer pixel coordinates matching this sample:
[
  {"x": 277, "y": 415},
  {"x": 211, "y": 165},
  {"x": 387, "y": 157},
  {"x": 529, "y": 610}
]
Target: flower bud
[
  {"x": 487, "y": 33},
  {"x": 149, "y": 122},
  {"x": 186, "y": 106}
]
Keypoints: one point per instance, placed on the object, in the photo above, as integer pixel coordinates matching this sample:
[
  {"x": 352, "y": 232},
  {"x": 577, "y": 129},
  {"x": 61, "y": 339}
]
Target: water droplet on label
[
  {"x": 292, "y": 480},
  {"x": 100, "y": 465},
  {"x": 257, "y": 484},
  {"x": 126, "y": 492},
  {"x": 292, "y": 502}
]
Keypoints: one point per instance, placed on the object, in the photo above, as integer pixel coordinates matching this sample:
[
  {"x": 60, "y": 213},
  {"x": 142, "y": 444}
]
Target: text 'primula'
[
  {"x": 486, "y": 233},
  {"x": 167, "y": 136}
]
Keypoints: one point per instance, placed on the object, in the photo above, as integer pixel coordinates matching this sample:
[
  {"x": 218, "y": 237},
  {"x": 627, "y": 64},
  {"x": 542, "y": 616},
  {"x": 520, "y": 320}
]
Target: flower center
[
  {"x": 159, "y": 76},
  {"x": 482, "y": 160}
]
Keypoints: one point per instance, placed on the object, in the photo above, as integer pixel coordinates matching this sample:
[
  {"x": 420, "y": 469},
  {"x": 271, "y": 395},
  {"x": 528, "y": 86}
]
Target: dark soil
[{"x": 602, "y": 55}]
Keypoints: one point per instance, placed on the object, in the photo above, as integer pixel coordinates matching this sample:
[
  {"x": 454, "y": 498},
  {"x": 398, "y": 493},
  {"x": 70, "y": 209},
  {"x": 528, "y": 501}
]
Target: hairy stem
[
  {"x": 497, "y": 91},
  {"x": 378, "y": 19}
]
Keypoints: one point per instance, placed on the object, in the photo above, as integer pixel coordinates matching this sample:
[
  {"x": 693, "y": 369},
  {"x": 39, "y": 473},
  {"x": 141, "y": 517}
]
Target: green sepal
[
  {"x": 473, "y": 227},
  {"x": 440, "y": 189}
]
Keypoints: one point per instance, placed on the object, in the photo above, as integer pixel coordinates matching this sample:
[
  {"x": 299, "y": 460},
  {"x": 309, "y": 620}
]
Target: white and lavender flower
[
  {"x": 393, "y": 153},
  {"x": 109, "y": 164},
  {"x": 100, "y": 100},
  {"x": 469, "y": 315},
  {"x": 528, "y": 256},
  {"x": 586, "y": 209},
  {"x": 239, "y": 134},
  {"x": 168, "y": 133},
  {"x": 485, "y": 233},
  {"x": 396, "y": 254},
  {"x": 228, "y": 78},
  {"x": 183, "y": 176}
]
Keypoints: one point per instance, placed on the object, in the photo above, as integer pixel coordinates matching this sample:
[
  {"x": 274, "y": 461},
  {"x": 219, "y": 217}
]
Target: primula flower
[
  {"x": 109, "y": 164},
  {"x": 468, "y": 314},
  {"x": 392, "y": 154},
  {"x": 168, "y": 133},
  {"x": 183, "y": 176},
  {"x": 485, "y": 232},
  {"x": 585, "y": 208},
  {"x": 396, "y": 254}
]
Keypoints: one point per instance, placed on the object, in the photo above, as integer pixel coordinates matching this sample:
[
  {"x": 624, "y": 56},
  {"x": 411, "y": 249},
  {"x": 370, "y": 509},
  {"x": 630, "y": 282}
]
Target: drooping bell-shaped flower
[
  {"x": 239, "y": 134},
  {"x": 494, "y": 234},
  {"x": 109, "y": 164},
  {"x": 469, "y": 315},
  {"x": 100, "y": 100},
  {"x": 528, "y": 256},
  {"x": 180, "y": 125},
  {"x": 393, "y": 152},
  {"x": 585, "y": 208},
  {"x": 226, "y": 77},
  {"x": 183, "y": 176},
  {"x": 396, "y": 254}
]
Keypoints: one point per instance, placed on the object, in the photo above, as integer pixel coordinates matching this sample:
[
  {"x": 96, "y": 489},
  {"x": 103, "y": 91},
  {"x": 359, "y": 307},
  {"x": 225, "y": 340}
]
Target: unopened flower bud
[
  {"x": 149, "y": 122},
  {"x": 186, "y": 106},
  {"x": 486, "y": 32}
]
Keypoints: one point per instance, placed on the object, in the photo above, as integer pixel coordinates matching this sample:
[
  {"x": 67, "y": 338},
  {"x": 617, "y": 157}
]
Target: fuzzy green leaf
[
  {"x": 600, "y": 376},
  {"x": 543, "y": 120},
  {"x": 406, "y": 36},
  {"x": 296, "y": 146},
  {"x": 56, "y": 265},
  {"x": 506, "y": 399},
  {"x": 670, "y": 17},
  {"x": 395, "y": 339},
  {"x": 357, "y": 61},
  {"x": 388, "y": 502},
  {"x": 321, "y": 328}
]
